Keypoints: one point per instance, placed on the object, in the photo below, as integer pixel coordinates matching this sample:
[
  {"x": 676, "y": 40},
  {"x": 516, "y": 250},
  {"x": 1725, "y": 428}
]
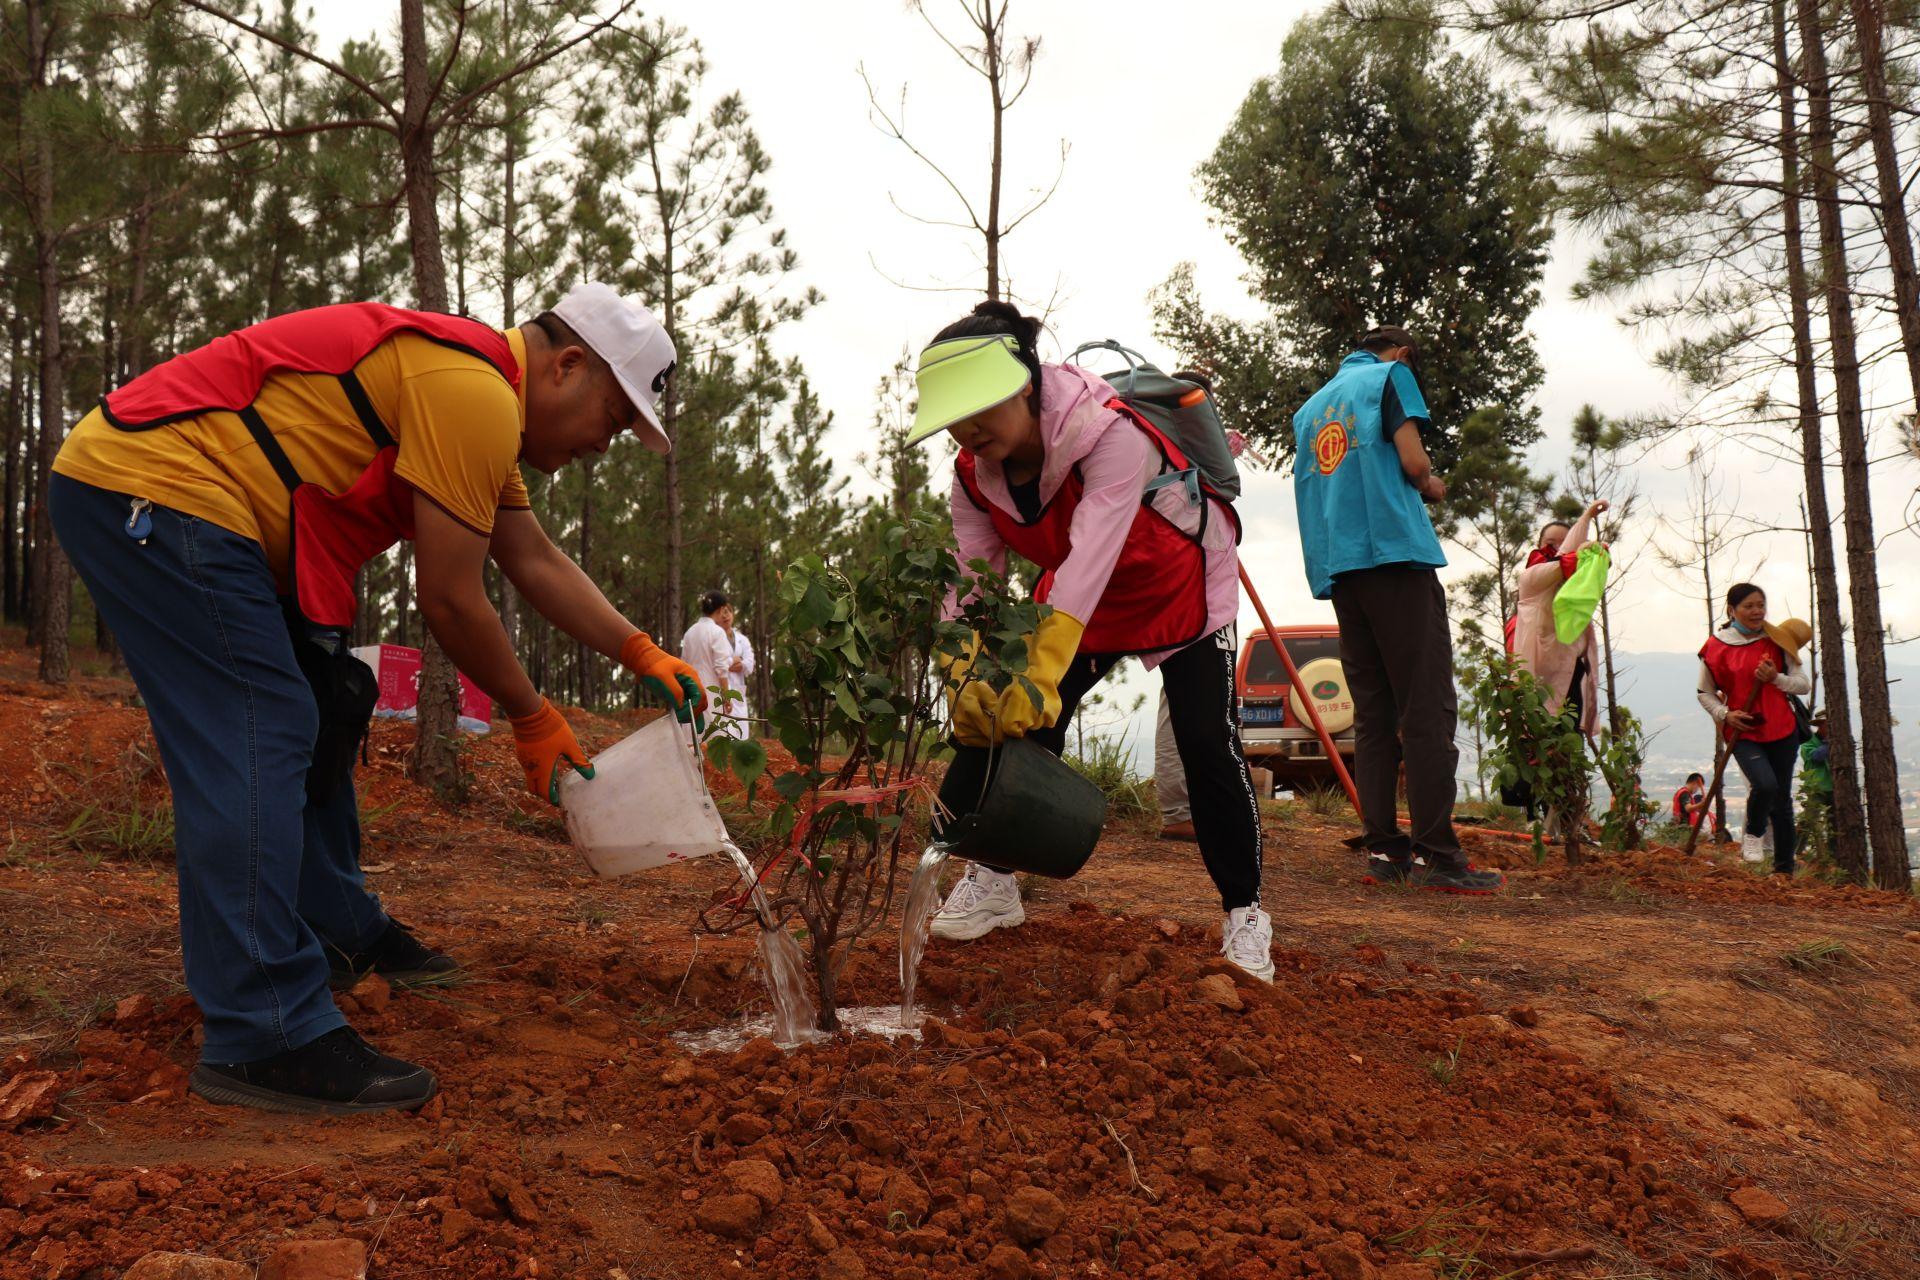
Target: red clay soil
[{"x": 1099, "y": 1095}]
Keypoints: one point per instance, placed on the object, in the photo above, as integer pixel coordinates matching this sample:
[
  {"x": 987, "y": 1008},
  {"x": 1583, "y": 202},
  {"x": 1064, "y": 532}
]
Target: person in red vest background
[
  {"x": 218, "y": 508},
  {"x": 1748, "y": 670}
]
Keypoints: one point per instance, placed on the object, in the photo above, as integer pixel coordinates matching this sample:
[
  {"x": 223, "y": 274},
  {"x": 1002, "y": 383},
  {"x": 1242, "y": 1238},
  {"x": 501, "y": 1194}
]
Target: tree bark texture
[
  {"x": 1885, "y": 827},
  {"x": 436, "y": 748},
  {"x": 1849, "y": 814},
  {"x": 53, "y": 576}
]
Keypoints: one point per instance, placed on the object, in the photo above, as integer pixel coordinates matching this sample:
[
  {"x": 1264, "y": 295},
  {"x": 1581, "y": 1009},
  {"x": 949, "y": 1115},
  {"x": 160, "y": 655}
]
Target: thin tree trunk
[
  {"x": 674, "y": 617},
  {"x": 990, "y": 38},
  {"x": 1869, "y": 23},
  {"x": 1849, "y": 814},
  {"x": 509, "y": 281},
  {"x": 436, "y": 746},
  {"x": 1882, "y": 770},
  {"x": 15, "y": 440},
  {"x": 53, "y": 576},
  {"x": 582, "y": 654}
]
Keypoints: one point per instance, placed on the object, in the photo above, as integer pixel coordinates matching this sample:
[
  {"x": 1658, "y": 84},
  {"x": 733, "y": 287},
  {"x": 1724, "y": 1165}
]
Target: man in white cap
[{"x": 218, "y": 508}]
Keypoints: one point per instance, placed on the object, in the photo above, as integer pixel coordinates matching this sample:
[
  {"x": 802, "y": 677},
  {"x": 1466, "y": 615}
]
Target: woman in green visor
[{"x": 1054, "y": 466}]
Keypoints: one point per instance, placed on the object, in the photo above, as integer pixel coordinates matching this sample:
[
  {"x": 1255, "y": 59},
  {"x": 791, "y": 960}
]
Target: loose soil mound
[{"x": 1642, "y": 1067}]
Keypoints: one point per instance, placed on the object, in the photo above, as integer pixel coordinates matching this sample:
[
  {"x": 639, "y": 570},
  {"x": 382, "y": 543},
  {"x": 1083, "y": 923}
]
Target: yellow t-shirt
[{"x": 457, "y": 422}]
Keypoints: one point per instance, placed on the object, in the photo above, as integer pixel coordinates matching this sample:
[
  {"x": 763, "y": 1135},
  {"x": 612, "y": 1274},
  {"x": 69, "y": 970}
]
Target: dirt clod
[
  {"x": 1759, "y": 1207},
  {"x": 374, "y": 993},
  {"x": 1033, "y": 1214},
  {"x": 818, "y": 1238},
  {"x": 28, "y": 1097},
  {"x": 1217, "y": 989},
  {"x": 757, "y": 1178},
  {"x": 1342, "y": 1263},
  {"x": 316, "y": 1260},
  {"x": 842, "y": 1264},
  {"x": 734, "y": 1214},
  {"x": 1008, "y": 1263},
  {"x": 186, "y": 1266}
]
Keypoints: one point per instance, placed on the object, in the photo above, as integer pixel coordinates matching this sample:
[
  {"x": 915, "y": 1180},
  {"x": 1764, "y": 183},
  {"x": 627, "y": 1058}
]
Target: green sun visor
[{"x": 964, "y": 376}]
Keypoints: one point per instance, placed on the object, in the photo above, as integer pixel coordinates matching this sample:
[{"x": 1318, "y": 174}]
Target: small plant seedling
[
  {"x": 1446, "y": 1068},
  {"x": 1821, "y": 957}
]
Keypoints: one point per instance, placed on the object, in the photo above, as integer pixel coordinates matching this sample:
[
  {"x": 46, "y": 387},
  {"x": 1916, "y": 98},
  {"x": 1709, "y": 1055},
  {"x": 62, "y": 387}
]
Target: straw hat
[{"x": 1792, "y": 636}]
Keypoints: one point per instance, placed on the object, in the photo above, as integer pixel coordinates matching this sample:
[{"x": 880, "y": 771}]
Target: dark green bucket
[{"x": 1030, "y": 811}]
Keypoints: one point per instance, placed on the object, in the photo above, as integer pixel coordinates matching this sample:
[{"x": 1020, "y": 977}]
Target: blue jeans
[
  {"x": 265, "y": 878},
  {"x": 1769, "y": 770}
]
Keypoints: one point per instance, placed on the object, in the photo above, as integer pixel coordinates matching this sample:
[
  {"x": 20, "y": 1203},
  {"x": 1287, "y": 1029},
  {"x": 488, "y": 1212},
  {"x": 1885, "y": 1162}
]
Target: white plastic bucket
[{"x": 646, "y": 805}]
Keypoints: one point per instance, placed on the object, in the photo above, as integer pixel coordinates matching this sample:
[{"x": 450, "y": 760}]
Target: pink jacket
[
  {"x": 1116, "y": 460},
  {"x": 1540, "y": 650}
]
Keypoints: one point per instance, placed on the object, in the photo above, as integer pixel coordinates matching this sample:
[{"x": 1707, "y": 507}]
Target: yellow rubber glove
[
  {"x": 971, "y": 701},
  {"x": 667, "y": 676},
  {"x": 541, "y": 741},
  {"x": 1049, "y": 653}
]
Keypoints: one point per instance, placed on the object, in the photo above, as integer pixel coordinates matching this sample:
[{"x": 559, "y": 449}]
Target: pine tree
[{"x": 1379, "y": 177}]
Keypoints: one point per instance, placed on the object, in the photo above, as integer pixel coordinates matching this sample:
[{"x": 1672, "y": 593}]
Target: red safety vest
[
  {"x": 1732, "y": 667},
  {"x": 1157, "y": 596},
  {"x": 333, "y": 534}
]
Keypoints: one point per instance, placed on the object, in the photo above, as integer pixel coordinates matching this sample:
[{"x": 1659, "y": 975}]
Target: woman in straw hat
[
  {"x": 1747, "y": 670},
  {"x": 1054, "y": 466}
]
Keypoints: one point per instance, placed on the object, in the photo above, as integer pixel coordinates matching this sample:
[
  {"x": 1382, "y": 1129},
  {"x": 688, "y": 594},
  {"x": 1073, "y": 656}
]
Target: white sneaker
[
  {"x": 1247, "y": 941},
  {"x": 1752, "y": 848},
  {"x": 1766, "y": 842},
  {"x": 982, "y": 902}
]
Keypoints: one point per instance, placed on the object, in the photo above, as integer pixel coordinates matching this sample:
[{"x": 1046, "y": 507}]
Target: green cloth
[
  {"x": 1579, "y": 596},
  {"x": 1816, "y": 779}
]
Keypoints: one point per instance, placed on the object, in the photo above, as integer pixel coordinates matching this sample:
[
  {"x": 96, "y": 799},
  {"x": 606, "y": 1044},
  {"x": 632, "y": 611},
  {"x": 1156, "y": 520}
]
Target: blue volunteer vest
[{"x": 1356, "y": 509}]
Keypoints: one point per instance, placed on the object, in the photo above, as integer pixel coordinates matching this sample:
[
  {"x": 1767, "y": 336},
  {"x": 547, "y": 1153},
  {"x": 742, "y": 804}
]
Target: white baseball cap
[{"x": 625, "y": 334}]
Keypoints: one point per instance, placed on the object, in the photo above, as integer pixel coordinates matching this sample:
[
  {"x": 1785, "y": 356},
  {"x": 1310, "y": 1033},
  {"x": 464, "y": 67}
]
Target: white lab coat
[
  {"x": 710, "y": 653},
  {"x": 737, "y": 683}
]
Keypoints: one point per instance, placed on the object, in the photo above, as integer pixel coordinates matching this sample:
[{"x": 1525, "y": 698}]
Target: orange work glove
[
  {"x": 667, "y": 676},
  {"x": 542, "y": 740}
]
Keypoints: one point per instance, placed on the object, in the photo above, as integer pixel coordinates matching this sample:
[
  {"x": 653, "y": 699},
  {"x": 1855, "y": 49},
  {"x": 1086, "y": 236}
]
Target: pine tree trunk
[
  {"x": 990, "y": 41},
  {"x": 1869, "y": 24},
  {"x": 673, "y": 618},
  {"x": 509, "y": 281},
  {"x": 29, "y": 487},
  {"x": 436, "y": 748},
  {"x": 53, "y": 576},
  {"x": 1849, "y": 815},
  {"x": 582, "y": 654},
  {"x": 1885, "y": 826},
  {"x": 15, "y": 440}
]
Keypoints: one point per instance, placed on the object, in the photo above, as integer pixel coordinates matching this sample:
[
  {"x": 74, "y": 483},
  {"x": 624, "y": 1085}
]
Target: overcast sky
[{"x": 1141, "y": 91}]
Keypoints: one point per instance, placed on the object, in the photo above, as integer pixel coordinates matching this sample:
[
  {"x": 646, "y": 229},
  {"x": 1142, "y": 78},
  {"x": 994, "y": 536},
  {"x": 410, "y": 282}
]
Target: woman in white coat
[{"x": 723, "y": 659}]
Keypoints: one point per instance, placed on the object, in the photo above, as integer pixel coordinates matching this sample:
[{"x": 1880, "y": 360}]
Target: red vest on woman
[
  {"x": 1732, "y": 667},
  {"x": 333, "y": 534},
  {"x": 1157, "y": 596}
]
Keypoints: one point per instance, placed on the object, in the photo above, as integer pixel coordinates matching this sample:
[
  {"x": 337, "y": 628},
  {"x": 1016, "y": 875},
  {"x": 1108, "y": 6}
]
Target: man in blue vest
[{"x": 1360, "y": 476}]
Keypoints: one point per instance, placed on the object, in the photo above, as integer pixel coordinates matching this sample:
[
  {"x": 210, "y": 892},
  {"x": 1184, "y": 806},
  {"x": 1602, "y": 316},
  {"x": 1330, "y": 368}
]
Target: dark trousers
[
  {"x": 1769, "y": 770},
  {"x": 1204, "y": 707},
  {"x": 265, "y": 878},
  {"x": 1397, "y": 648}
]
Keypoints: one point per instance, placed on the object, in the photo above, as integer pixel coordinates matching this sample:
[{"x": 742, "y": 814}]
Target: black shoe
[
  {"x": 1388, "y": 870},
  {"x": 338, "y": 1074},
  {"x": 395, "y": 955},
  {"x": 1456, "y": 875}
]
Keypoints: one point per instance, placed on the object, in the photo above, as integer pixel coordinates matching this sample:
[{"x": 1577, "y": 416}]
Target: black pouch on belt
[{"x": 344, "y": 691}]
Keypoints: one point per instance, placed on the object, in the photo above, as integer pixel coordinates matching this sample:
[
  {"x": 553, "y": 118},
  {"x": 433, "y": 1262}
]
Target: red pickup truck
[{"x": 1274, "y": 730}]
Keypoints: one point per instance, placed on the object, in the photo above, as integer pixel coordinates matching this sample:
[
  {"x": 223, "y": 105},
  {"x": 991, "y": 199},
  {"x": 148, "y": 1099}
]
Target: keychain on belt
[{"x": 140, "y": 521}]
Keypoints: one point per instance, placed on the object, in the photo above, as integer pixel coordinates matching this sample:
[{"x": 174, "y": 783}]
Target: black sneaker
[
  {"x": 395, "y": 955},
  {"x": 1456, "y": 876},
  {"x": 339, "y": 1074},
  {"x": 1387, "y": 870}
]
